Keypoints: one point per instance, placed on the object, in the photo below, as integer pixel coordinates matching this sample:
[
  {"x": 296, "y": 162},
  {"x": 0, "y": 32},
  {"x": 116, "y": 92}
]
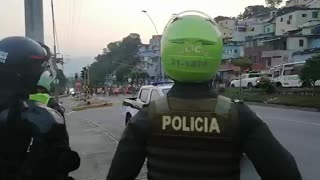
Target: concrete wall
[
  {"x": 277, "y": 57},
  {"x": 297, "y": 2},
  {"x": 302, "y": 57},
  {"x": 255, "y": 29},
  {"x": 314, "y": 43},
  {"x": 269, "y": 28},
  {"x": 228, "y": 23},
  {"x": 314, "y": 4},
  {"x": 293, "y": 43}
]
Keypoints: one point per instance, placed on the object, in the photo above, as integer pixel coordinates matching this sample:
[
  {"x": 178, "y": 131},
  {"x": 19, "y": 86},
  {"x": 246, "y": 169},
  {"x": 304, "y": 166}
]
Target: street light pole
[{"x": 155, "y": 27}]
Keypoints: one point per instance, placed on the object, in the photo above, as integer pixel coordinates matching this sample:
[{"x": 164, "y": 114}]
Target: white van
[{"x": 287, "y": 75}]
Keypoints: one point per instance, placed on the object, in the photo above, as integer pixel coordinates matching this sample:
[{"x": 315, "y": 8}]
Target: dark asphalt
[{"x": 94, "y": 134}]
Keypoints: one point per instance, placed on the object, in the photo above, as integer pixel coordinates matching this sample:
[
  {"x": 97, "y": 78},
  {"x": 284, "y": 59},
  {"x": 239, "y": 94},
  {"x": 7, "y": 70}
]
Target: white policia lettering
[{"x": 199, "y": 124}]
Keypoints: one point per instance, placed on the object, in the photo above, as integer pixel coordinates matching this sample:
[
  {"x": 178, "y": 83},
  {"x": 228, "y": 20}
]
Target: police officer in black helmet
[
  {"x": 193, "y": 134},
  {"x": 33, "y": 139}
]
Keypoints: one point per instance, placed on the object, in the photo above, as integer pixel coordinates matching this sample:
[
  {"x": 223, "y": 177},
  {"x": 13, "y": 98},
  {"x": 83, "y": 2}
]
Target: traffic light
[
  {"x": 76, "y": 76},
  {"x": 83, "y": 72}
]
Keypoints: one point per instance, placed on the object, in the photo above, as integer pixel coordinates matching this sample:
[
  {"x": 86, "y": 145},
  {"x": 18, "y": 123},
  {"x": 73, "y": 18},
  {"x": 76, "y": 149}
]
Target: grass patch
[
  {"x": 250, "y": 95},
  {"x": 258, "y": 95},
  {"x": 296, "y": 100}
]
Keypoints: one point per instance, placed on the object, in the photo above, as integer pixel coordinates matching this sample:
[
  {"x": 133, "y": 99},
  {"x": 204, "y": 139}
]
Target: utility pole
[
  {"x": 56, "y": 90},
  {"x": 88, "y": 75},
  {"x": 34, "y": 20}
]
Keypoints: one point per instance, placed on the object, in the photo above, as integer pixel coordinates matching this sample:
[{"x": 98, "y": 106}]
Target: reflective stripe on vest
[
  {"x": 40, "y": 97},
  {"x": 193, "y": 139}
]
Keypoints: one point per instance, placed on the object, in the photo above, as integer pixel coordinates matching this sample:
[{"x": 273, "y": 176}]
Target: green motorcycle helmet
[
  {"x": 191, "y": 47},
  {"x": 45, "y": 80}
]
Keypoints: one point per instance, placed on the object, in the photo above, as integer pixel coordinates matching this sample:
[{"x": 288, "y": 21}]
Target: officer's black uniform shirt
[{"x": 271, "y": 160}]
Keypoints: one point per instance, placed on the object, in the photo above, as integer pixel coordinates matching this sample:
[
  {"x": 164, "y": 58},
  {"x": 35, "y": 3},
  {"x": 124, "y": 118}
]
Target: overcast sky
[{"x": 86, "y": 26}]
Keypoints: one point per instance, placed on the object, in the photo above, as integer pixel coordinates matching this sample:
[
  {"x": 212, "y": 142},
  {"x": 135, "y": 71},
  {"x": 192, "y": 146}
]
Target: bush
[{"x": 267, "y": 85}]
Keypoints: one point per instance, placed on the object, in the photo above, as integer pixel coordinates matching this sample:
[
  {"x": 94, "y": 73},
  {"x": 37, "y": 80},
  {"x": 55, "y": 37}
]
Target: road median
[
  {"x": 290, "y": 100},
  {"x": 90, "y": 104}
]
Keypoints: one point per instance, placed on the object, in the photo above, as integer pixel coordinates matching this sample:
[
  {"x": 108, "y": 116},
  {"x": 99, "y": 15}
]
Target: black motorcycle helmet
[{"x": 22, "y": 60}]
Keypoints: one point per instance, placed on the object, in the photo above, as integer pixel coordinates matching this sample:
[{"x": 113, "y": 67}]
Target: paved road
[{"x": 94, "y": 134}]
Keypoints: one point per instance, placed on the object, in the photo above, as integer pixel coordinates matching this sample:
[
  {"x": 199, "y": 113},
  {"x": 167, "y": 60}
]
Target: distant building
[
  {"x": 232, "y": 51},
  {"x": 290, "y": 3},
  {"x": 150, "y": 58},
  {"x": 289, "y": 19},
  {"x": 226, "y": 27}
]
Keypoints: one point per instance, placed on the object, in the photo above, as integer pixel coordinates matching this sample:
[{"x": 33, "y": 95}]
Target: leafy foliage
[
  {"x": 63, "y": 81},
  {"x": 252, "y": 11},
  {"x": 221, "y": 18},
  {"x": 243, "y": 63},
  {"x": 310, "y": 72},
  {"x": 267, "y": 85},
  {"x": 124, "y": 51},
  {"x": 273, "y": 3}
]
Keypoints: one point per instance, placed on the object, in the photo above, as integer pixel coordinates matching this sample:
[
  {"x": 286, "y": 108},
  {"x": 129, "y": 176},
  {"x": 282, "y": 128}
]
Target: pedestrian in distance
[{"x": 192, "y": 133}]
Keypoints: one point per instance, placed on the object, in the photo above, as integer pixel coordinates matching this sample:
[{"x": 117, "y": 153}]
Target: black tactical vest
[{"x": 193, "y": 139}]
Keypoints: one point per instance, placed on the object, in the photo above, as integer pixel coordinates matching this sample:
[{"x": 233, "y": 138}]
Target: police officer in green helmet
[
  {"x": 42, "y": 93},
  {"x": 192, "y": 133}
]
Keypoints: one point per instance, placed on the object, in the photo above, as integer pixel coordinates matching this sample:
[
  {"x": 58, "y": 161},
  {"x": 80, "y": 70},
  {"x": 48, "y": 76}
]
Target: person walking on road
[
  {"x": 192, "y": 133},
  {"x": 33, "y": 139}
]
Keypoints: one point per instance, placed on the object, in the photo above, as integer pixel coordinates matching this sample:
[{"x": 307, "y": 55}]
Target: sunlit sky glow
[{"x": 86, "y": 26}]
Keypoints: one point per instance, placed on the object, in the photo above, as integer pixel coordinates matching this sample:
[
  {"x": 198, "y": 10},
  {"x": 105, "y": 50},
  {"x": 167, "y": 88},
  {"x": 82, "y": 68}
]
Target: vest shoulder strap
[{"x": 40, "y": 97}]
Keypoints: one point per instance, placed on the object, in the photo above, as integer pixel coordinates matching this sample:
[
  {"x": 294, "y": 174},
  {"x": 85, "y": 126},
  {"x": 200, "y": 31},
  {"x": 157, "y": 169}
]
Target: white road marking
[
  {"x": 69, "y": 113},
  {"x": 301, "y": 122}
]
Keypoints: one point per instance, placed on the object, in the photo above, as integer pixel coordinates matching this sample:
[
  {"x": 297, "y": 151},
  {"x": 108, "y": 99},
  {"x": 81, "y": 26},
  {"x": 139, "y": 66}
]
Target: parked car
[{"x": 248, "y": 80}]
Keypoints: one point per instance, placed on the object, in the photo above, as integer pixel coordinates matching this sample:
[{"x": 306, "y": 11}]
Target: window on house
[
  {"x": 290, "y": 17},
  {"x": 301, "y": 42},
  {"x": 235, "y": 51},
  {"x": 304, "y": 15},
  {"x": 315, "y": 14},
  {"x": 268, "y": 29},
  {"x": 226, "y": 22},
  {"x": 269, "y": 62},
  {"x": 288, "y": 22},
  {"x": 281, "y": 20}
]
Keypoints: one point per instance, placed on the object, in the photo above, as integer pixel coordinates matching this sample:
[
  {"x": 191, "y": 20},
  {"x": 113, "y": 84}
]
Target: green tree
[
  {"x": 273, "y": 3},
  {"x": 124, "y": 52},
  {"x": 243, "y": 63},
  {"x": 252, "y": 11},
  {"x": 62, "y": 81},
  {"x": 310, "y": 72}
]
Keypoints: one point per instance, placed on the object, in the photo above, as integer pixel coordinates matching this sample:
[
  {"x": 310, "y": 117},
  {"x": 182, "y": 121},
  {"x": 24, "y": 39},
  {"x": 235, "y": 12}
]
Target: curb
[
  {"x": 80, "y": 108},
  {"x": 77, "y": 99},
  {"x": 283, "y": 106}
]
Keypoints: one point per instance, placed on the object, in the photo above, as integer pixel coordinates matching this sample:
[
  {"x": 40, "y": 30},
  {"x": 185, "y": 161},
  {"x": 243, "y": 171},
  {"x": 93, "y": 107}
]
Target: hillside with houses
[{"x": 266, "y": 36}]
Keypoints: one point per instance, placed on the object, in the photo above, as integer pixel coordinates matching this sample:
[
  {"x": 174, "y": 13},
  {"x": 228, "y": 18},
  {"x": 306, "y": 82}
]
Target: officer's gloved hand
[{"x": 68, "y": 161}]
